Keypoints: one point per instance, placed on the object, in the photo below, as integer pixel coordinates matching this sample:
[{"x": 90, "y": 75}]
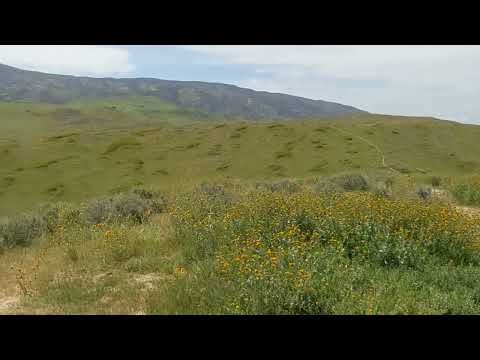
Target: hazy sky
[{"x": 439, "y": 81}]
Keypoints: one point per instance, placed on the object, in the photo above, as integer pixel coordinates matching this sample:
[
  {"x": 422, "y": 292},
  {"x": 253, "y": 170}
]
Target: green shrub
[
  {"x": 212, "y": 189},
  {"x": 217, "y": 195},
  {"x": 136, "y": 205},
  {"x": 343, "y": 182},
  {"x": 100, "y": 210},
  {"x": 467, "y": 193},
  {"x": 382, "y": 189},
  {"x": 59, "y": 214},
  {"x": 126, "y": 250},
  {"x": 287, "y": 186},
  {"x": 131, "y": 207},
  {"x": 326, "y": 185},
  {"x": 352, "y": 182},
  {"x": 21, "y": 230},
  {"x": 436, "y": 181}
]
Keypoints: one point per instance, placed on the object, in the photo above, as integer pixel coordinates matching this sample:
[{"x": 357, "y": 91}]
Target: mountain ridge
[{"x": 211, "y": 98}]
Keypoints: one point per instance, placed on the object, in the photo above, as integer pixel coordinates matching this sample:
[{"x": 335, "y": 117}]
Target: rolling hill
[
  {"x": 82, "y": 149},
  {"x": 71, "y": 138},
  {"x": 219, "y": 100}
]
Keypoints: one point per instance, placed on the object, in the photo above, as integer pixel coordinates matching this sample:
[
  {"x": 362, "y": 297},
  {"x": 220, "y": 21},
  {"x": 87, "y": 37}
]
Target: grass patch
[
  {"x": 62, "y": 136},
  {"x": 283, "y": 154},
  {"x": 223, "y": 167},
  {"x": 161, "y": 172},
  {"x": 8, "y": 180},
  {"x": 467, "y": 193},
  {"x": 56, "y": 190},
  {"x": 193, "y": 145},
  {"x": 276, "y": 167},
  {"x": 319, "y": 167},
  {"x": 121, "y": 143},
  {"x": 48, "y": 163},
  {"x": 147, "y": 131}
]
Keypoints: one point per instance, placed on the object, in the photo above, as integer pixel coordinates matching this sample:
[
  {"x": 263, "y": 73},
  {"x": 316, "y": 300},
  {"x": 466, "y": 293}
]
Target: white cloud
[
  {"x": 82, "y": 60},
  {"x": 441, "y": 81},
  {"x": 353, "y": 60}
]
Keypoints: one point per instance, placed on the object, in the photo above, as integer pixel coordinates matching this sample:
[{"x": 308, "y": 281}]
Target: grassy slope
[
  {"x": 84, "y": 149},
  {"x": 88, "y": 148}
]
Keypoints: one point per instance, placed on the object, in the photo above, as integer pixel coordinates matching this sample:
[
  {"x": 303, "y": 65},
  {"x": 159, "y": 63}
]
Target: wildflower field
[
  {"x": 238, "y": 248},
  {"x": 323, "y": 253}
]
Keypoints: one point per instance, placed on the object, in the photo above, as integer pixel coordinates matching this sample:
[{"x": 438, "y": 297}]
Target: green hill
[
  {"x": 76, "y": 150},
  {"x": 214, "y": 99}
]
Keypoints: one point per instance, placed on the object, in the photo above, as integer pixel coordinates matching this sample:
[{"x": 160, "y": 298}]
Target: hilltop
[{"x": 207, "y": 98}]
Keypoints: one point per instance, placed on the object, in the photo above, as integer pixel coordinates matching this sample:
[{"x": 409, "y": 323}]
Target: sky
[{"x": 416, "y": 80}]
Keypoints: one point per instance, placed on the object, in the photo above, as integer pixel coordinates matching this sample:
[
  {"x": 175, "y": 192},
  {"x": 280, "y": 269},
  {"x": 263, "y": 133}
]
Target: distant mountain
[{"x": 209, "y": 98}]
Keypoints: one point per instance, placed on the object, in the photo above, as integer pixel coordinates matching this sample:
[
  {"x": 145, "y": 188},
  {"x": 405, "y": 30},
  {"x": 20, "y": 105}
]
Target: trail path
[
  {"x": 9, "y": 293},
  {"x": 380, "y": 152},
  {"x": 7, "y": 304},
  {"x": 475, "y": 212}
]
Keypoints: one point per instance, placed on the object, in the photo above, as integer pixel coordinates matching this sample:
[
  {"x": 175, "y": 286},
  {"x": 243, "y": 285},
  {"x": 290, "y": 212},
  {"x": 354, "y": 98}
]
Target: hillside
[
  {"x": 143, "y": 196},
  {"x": 78, "y": 150},
  {"x": 207, "y": 98}
]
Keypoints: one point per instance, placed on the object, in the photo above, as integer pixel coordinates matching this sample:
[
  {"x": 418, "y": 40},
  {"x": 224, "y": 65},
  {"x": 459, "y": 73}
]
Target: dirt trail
[
  {"x": 9, "y": 293},
  {"x": 8, "y": 304},
  {"x": 380, "y": 152},
  {"x": 471, "y": 211}
]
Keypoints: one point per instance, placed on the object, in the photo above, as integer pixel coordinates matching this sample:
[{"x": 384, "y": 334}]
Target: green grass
[
  {"x": 94, "y": 147},
  {"x": 466, "y": 190},
  {"x": 121, "y": 143}
]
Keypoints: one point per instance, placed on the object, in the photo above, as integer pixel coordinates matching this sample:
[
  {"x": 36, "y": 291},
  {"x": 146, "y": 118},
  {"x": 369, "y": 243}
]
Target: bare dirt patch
[
  {"x": 470, "y": 211},
  {"x": 10, "y": 295},
  {"x": 8, "y": 303},
  {"x": 147, "y": 281}
]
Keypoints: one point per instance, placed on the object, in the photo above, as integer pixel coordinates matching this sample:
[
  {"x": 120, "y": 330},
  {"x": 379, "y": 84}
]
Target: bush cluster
[
  {"x": 287, "y": 186},
  {"x": 136, "y": 205}
]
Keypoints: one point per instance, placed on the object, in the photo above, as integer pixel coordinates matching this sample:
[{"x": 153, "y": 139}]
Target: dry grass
[{"x": 87, "y": 271}]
